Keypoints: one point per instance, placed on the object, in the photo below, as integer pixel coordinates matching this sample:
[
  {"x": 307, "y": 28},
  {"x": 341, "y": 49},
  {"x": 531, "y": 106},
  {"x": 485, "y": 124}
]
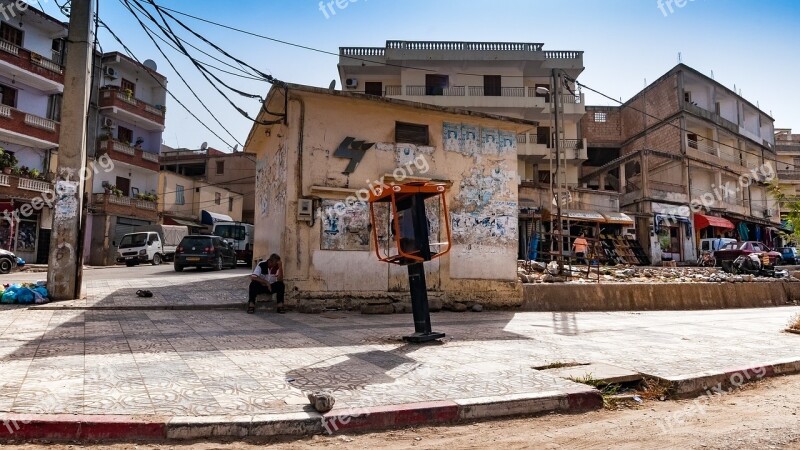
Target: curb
[
  {"x": 218, "y": 307},
  {"x": 129, "y": 428},
  {"x": 731, "y": 379}
]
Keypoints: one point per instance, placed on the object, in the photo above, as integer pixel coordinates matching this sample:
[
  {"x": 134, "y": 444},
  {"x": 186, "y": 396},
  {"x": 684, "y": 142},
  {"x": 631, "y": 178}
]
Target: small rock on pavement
[
  {"x": 477, "y": 307},
  {"x": 321, "y": 401},
  {"x": 458, "y": 307}
]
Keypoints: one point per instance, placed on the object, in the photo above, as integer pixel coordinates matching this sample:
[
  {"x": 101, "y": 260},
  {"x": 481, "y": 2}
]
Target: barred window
[{"x": 600, "y": 117}]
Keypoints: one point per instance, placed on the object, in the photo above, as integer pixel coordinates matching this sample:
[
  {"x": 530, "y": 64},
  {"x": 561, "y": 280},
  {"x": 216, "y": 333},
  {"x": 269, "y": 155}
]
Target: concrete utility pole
[{"x": 65, "y": 268}]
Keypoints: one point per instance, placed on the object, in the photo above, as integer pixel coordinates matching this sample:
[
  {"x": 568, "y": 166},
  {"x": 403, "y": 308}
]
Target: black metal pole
[{"x": 419, "y": 305}]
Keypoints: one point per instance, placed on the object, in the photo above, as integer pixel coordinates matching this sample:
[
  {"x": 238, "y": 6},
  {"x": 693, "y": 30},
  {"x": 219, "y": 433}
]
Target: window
[
  {"x": 54, "y": 107},
  {"x": 8, "y": 96},
  {"x": 124, "y": 135},
  {"x": 687, "y": 97},
  {"x": 217, "y": 198},
  {"x": 58, "y": 51},
  {"x": 410, "y": 133},
  {"x": 544, "y": 176},
  {"x": 600, "y": 117},
  {"x": 11, "y": 34},
  {"x": 492, "y": 85},
  {"x": 436, "y": 84},
  {"x": 220, "y": 167},
  {"x": 373, "y": 88},
  {"x": 124, "y": 185},
  {"x": 126, "y": 85},
  {"x": 179, "y": 198},
  {"x": 692, "y": 140},
  {"x": 717, "y": 108},
  {"x": 230, "y": 204}
]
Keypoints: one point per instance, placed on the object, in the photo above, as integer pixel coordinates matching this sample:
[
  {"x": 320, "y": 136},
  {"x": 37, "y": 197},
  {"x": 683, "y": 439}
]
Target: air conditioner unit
[
  {"x": 351, "y": 83},
  {"x": 305, "y": 210},
  {"x": 110, "y": 72},
  {"x": 768, "y": 213},
  {"x": 107, "y": 123}
]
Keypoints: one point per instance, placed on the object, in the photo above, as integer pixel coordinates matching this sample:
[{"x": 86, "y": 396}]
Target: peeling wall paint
[
  {"x": 67, "y": 201},
  {"x": 271, "y": 182},
  {"x": 471, "y": 140},
  {"x": 346, "y": 228}
]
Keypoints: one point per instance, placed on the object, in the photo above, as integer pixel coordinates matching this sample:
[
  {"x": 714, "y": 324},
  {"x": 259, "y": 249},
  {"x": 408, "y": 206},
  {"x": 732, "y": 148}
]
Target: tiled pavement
[{"x": 205, "y": 363}]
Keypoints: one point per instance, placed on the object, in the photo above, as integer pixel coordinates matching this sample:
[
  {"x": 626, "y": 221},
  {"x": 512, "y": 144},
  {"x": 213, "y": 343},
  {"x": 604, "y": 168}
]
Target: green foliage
[
  {"x": 7, "y": 159},
  {"x": 790, "y": 209}
]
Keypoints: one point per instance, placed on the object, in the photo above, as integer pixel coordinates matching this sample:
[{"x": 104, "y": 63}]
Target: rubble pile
[{"x": 536, "y": 272}]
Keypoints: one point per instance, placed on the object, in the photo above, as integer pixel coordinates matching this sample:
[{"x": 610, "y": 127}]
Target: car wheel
[
  {"x": 218, "y": 264},
  {"x": 178, "y": 268},
  {"x": 130, "y": 264},
  {"x": 5, "y": 265},
  {"x": 157, "y": 259}
]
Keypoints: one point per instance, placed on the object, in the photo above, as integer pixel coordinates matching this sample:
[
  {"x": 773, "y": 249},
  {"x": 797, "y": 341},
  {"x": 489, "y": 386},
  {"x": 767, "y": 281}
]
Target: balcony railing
[
  {"x": 130, "y": 205},
  {"x": 34, "y": 185},
  {"x": 522, "y": 139},
  {"x": 31, "y": 62},
  {"x": 147, "y": 156},
  {"x": 465, "y": 46},
  {"x": 122, "y": 152},
  {"x": 362, "y": 51},
  {"x": 30, "y": 125},
  {"x": 5, "y": 111},
  {"x": 702, "y": 147},
  {"x": 123, "y": 148},
  {"x": 394, "y": 91},
  {"x": 4, "y": 180},
  {"x": 789, "y": 174},
  {"x": 40, "y": 122},
  {"x": 113, "y": 97}
]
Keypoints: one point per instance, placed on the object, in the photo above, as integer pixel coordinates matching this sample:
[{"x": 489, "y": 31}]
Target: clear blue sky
[{"x": 752, "y": 44}]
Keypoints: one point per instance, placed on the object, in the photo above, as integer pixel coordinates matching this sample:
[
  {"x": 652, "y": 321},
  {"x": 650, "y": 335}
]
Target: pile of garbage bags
[{"x": 25, "y": 294}]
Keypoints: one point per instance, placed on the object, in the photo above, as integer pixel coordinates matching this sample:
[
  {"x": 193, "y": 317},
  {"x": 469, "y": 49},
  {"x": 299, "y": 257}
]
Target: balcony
[
  {"x": 31, "y": 68},
  {"x": 124, "y": 153},
  {"x": 534, "y": 148},
  {"x": 26, "y": 129},
  {"x": 125, "y": 206},
  {"x": 790, "y": 175},
  {"x": 12, "y": 186},
  {"x": 131, "y": 109}
]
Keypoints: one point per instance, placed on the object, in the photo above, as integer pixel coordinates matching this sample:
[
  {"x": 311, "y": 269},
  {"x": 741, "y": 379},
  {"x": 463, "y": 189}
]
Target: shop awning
[
  {"x": 702, "y": 221},
  {"x": 209, "y": 218},
  {"x": 618, "y": 218},
  {"x": 585, "y": 216},
  {"x": 187, "y": 223}
]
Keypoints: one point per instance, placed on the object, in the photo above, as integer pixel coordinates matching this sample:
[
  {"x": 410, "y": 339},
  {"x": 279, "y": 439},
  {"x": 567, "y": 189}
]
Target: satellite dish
[
  {"x": 150, "y": 64},
  {"x": 235, "y": 148},
  {"x": 332, "y": 86},
  {"x": 204, "y": 146}
]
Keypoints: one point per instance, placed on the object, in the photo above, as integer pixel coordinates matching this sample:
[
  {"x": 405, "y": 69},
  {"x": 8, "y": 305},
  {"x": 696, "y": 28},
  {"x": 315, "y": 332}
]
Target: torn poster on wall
[
  {"x": 271, "y": 182},
  {"x": 345, "y": 227},
  {"x": 471, "y": 140},
  {"x": 485, "y": 208}
]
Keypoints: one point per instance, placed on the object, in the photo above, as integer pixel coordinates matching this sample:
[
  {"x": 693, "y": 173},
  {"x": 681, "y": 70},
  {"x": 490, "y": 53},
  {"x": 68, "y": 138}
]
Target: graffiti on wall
[
  {"x": 271, "y": 182},
  {"x": 471, "y": 140},
  {"x": 485, "y": 209},
  {"x": 346, "y": 229}
]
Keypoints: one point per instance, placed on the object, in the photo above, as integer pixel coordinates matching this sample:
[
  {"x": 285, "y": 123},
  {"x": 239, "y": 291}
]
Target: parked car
[
  {"x": 8, "y": 261},
  {"x": 789, "y": 254},
  {"x": 713, "y": 244},
  {"x": 151, "y": 243},
  {"x": 204, "y": 251},
  {"x": 733, "y": 250}
]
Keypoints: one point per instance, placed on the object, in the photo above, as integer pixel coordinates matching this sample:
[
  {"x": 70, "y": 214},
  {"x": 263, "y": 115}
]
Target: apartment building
[
  {"x": 690, "y": 159},
  {"x": 193, "y": 202},
  {"x": 31, "y": 87},
  {"x": 787, "y": 147},
  {"x": 131, "y": 102},
  {"x": 235, "y": 172},
  {"x": 508, "y": 79}
]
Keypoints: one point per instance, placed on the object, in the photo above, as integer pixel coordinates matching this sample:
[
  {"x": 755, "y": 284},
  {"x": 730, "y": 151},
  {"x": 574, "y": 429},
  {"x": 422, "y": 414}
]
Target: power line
[
  {"x": 177, "y": 72},
  {"x": 130, "y": 53}
]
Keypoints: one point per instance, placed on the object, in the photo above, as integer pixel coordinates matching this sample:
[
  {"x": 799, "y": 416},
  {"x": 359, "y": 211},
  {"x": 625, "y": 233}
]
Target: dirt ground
[{"x": 762, "y": 415}]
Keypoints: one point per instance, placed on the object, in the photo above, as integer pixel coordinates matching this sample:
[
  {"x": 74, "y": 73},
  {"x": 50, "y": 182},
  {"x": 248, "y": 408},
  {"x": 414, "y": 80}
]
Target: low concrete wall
[{"x": 662, "y": 296}]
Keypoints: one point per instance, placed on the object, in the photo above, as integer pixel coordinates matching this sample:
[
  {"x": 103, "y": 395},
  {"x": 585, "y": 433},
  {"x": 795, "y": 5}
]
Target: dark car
[
  {"x": 789, "y": 254},
  {"x": 204, "y": 251},
  {"x": 733, "y": 250}
]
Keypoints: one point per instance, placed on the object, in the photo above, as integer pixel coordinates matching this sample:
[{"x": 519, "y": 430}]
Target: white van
[{"x": 713, "y": 244}]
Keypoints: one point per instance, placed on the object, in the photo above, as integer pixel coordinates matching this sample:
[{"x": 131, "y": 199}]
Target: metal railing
[
  {"x": 571, "y": 99},
  {"x": 455, "y": 91},
  {"x": 40, "y": 122},
  {"x": 702, "y": 147},
  {"x": 789, "y": 174}
]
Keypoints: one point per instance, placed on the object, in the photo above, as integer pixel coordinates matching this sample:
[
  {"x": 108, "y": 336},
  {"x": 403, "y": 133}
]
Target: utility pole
[
  {"x": 559, "y": 193},
  {"x": 65, "y": 268}
]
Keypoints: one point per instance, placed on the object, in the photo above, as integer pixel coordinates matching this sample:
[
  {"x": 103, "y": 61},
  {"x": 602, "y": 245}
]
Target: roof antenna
[
  {"x": 712, "y": 74},
  {"x": 680, "y": 58}
]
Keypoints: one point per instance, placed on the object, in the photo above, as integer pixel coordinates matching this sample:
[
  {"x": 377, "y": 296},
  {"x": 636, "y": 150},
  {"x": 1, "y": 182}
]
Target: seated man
[{"x": 267, "y": 278}]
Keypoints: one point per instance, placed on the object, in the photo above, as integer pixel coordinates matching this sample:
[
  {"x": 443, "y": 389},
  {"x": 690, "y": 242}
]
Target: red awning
[{"x": 701, "y": 221}]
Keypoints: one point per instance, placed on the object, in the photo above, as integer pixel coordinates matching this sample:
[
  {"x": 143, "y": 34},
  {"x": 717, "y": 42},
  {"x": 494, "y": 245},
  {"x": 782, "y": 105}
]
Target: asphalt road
[{"x": 118, "y": 272}]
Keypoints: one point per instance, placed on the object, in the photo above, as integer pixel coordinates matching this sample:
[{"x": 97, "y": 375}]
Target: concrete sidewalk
[{"x": 136, "y": 374}]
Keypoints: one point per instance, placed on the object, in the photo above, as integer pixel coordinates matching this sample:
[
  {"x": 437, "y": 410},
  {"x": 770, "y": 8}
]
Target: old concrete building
[
  {"x": 234, "y": 172},
  {"x": 331, "y": 145},
  {"x": 132, "y": 111},
  {"x": 787, "y": 147},
  {"x": 505, "y": 78},
  {"x": 182, "y": 201},
  {"x": 690, "y": 159}
]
